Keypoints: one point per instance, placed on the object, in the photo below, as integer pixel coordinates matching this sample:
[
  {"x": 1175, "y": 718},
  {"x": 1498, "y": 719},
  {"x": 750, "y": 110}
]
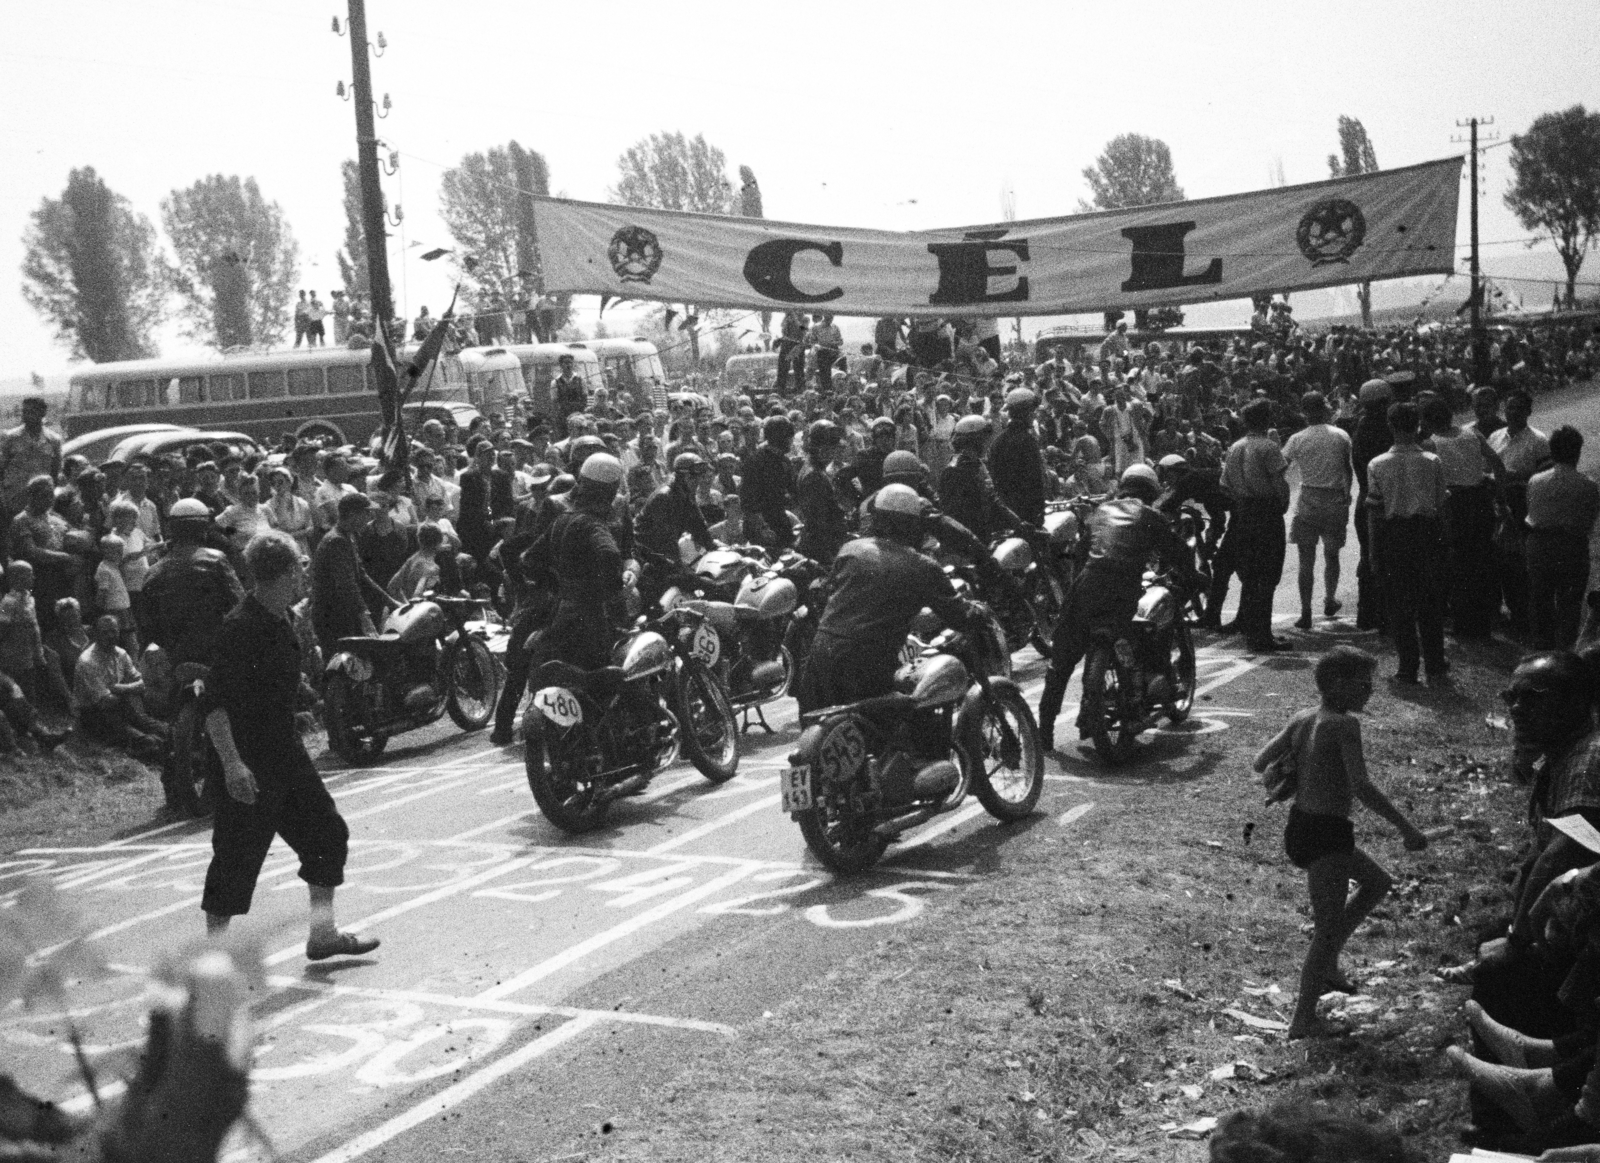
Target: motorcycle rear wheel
[
  {"x": 1183, "y": 666},
  {"x": 471, "y": 683},
  {"x": 1048, "y": 601},
  {"x": 705, "y": 716},
  {"x": 1109, "y": 706},
  {"x": 1008, "y": 792},
  {"x": 557, "y": 776},
  {"x": 344, "y": 737},
  {"x": 846, "y": 844}
]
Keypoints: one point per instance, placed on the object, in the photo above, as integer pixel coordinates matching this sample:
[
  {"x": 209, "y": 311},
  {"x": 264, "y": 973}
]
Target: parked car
[
  {"x": 177, "y": 443},
  {"x": 96, "y": 446}
]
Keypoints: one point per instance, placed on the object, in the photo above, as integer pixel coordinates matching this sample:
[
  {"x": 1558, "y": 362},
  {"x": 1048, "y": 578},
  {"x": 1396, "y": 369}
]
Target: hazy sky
[{"x": 894, "y": 115}]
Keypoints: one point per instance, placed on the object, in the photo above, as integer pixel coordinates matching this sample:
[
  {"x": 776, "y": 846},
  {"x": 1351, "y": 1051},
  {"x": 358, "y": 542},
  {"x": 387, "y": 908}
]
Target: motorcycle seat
[
  {"x": 387, "y": 643},
  {"x": 607, "y": 680},
  {"x": 749, "y": 614},
  {"x": 878, "y": 707}
]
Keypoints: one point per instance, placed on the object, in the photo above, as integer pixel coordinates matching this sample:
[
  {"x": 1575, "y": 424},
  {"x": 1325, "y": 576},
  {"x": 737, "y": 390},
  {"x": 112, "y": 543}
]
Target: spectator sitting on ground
[
  {"x": 108, "y": 690},
  {"x": 419, "y": 574}
]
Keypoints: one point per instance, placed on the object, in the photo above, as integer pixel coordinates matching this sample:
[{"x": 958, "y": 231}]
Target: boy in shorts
[{"x": 1330, "y": 774}]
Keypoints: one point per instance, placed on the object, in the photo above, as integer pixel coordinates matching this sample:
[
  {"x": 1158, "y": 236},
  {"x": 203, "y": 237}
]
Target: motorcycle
[
  {"x": 755, "y": 655},
  {"x": 1130, "y": 681},
  {"x": 862, "y": 773},
  {"x": 423, "y": 663},
  {"x": 1199, "y": 536},
  {"x": 592, "y": 737}
]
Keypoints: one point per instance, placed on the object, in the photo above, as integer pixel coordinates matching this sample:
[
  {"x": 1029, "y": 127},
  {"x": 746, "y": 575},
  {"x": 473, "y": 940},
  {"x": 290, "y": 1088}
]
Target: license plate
[{"x": 796, "y": 785}]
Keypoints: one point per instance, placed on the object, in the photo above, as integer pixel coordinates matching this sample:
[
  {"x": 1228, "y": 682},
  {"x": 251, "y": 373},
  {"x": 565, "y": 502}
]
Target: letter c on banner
[{"x": 768, "y": 268}]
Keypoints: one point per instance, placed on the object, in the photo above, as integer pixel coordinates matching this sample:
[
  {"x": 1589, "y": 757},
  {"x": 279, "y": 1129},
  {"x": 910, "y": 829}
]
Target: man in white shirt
[
  {"x": 1524, "y": 451},
  {"x": 1322, "y": 454}
]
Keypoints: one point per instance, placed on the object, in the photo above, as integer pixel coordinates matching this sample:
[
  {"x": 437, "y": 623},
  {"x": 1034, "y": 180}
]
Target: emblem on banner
[
  {"x": 635, "y": 254},
  {"x": 1331, "y": 231}
]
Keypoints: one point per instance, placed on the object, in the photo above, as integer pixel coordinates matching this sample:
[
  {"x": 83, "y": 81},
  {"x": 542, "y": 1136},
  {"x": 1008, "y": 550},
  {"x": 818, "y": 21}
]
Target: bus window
[
  {"x": 619, "y": 372},
  {"x": 191, "y": 390},
  {"x": 267, "y": 385},
  {"x": 303, "y": 381},
  {"x": 345, "y": 379},
  {"x": 136, "y": 393},
  {"x": 222, "y": 388}
]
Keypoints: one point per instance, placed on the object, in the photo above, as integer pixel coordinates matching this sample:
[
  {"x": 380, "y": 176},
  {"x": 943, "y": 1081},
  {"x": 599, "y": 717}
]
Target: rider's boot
[{"x": 1055, "y": 689}]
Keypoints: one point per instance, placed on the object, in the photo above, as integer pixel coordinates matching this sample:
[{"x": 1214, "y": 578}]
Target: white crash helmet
[
  {"x": 902, "y": 499},
  {"x": 602, "y": 468},
  {"x": 1141, "y": 479}
]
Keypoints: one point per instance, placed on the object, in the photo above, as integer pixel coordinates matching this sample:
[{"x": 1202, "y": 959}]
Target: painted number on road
[
  {"x": 560, "y": 706},
  {"x": 907, "y": 907},
  {"x": 745, "y": 906}
]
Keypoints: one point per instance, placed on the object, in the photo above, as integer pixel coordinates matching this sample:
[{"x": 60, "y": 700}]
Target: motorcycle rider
[
  {"x": 187, "y": 595},
  {"x": 767, "y": 486},
  {"x": 824, "y": 513},
  {"x": 587, "y": 565},
  {"x": 867, "y": 472},
  {"x": 1123, "y": 532},
  {"x": 966, "y": 491},
  {"x": 1183, "y": 481},
  {"x": 673, "y": 511},
  {"x": 1016, "y": 461}
]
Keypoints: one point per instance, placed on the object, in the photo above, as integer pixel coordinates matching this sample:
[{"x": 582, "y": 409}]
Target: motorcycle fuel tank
[
  {"x": 1062, "y": 527},
  {"x": 1013, "y": 555},
  {"x": 721, "y": 566},
  {"x": 940, "y": 679},
  {"x": 771, "y": 597},
  {"x": 641, "y": 654},
  {"x": 417, "y": 622},
  {"x": 1158, "y": 607}
]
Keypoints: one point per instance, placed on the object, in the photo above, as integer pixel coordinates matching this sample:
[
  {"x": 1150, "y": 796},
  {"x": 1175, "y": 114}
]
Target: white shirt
[
  {"x": 1523, "y": 453},
  {"x": 1322, "y": 454}
]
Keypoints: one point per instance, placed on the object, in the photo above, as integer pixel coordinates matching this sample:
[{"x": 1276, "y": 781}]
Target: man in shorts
[{"x": 1322, "y": 453}]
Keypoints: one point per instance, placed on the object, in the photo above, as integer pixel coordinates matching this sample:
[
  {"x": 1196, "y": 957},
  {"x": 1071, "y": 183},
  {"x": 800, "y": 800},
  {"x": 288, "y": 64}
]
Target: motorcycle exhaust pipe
[
  {"x": 625, "y": 788},
  {"x": 900, "y": 823}
]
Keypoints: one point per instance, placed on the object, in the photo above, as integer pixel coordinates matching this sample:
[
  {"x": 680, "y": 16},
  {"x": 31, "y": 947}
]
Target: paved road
[{"x": 529, "y": 983}]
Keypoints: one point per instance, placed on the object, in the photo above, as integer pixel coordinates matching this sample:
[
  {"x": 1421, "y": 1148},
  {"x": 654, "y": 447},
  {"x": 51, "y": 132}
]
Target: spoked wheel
[
  {"x": 472, "y": 682},
  {"x": 837, "y": 836},
  {"x": 563, "y": 769},
  {"x": 1183, "y": 668},
  {"x": 710, "y": 731},
  {"x": 1109, "y": 707},
  {"x": 1007, "y": 774},
  {"x": 342, "y": 715}
]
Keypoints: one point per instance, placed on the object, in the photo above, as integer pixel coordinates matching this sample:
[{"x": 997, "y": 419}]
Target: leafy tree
[
  {"x": 1133, "y": 170},
  {"x": 667, "y": 171},
  {"x": 1555, "y": 184},
  {"x": 237, "y": 260},
  {"x": 353, "y": 257},
  {"x": 488, "y": 204},
  {"x": 91, "y": 269},
  {"x": 1355, "y": 156}
]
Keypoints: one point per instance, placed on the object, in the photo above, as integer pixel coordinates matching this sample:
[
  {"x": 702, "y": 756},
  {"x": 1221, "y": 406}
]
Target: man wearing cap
[
  {"x": 1016, "y": 462},
  {"x": 340, "y": 588},
  {"x": 568, "y": 393},
  {"x": 673, "y": 511},
  {"x": 27, "y": 451},
  {"x": 767, "y": 486},
  {"x": 966, "y": 492}
]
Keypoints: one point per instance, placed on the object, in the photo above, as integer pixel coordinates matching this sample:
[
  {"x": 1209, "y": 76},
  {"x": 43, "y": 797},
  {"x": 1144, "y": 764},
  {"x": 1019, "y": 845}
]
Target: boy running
[{"x": 1331, "y": 772}]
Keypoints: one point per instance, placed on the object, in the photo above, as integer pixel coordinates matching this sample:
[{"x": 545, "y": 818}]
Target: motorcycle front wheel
[
  {"x": 561, "y": 769},
  {"x": 705, "y": 716},
  {"x": 1007, "y": 779},
  {"x": 1109, "y": 706},
  {"x": 471, "y": 683},
  {"x": 339, "y": 714},
  {"x": 841, "y": 839},
  {"x": 1183, "y": 667}
]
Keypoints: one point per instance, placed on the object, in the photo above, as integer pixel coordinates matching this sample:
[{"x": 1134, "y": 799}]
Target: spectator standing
[
  {"x": 569, "y": 394},
  {"x": 316, "y": 312},
  {"x": 340, "y": 588},
  {"x": 288, "y": 512},
  {"x": 1371, "y": 437},
  {"x": 111, "y": 591},
  {"x": 109, "y": 693},
  {"x": 1469, "y": 465},
  {"x": 1524, "y": 451},
  {"x": 39, "y": 537},
  {"x": 791, "y": 351},
  {"x": 302, "y": 319},
  {"x": 1406, "y": 501},
  {"x": 1016, "y": 463},
  {"x": 22, "y": 655},
  {"x": 341, "y": 318},
  {"x": 419, "y": 574},
  {"x": 1322, "y": 454},
  {"x": 270, "y": 787},
  {"x": 827, "y": 341},
  {"x": 136, "y": 490},
  {"x": 1254, "y": 546},
  {"x": 423, "y": 325},
  {"x": 27, "y": 451},
  {"x": 1563, "y": 505}
]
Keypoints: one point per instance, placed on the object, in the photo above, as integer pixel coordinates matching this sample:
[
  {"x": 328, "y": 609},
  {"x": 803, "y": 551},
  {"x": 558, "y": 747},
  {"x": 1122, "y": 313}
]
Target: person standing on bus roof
[
  {"x": 423, "y": 325},
  {"x": 341, "y": 318},
  {"x": 302, "y": 319},
  {"x": 26, "y": 452},
  {"x": 316, "y": 336}
]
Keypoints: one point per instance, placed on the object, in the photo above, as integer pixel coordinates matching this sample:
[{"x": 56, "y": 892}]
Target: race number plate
[
  {"x": 796, "y": 785},
  {"x": 559, "y": 705},
  {"x": 707, "y": 647}
]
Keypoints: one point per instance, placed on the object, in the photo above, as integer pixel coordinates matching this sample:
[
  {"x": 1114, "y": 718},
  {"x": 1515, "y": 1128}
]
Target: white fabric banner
[{"x": 1348, "y": 230}]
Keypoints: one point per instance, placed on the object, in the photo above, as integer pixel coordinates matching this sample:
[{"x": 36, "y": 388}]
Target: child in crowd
[
  {"x": 138, "y": 551},
  {"x": 420, "y": 573},
  {"x": 111, "y": 591},
  {"x": 1323, "y": 744},
  {"x": 439, "y": 515}
]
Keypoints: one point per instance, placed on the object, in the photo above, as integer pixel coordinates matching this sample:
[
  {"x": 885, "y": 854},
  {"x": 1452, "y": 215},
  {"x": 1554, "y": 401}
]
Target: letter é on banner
[
  {"x": 964, "y": 269},
  {"x": 1157, "y": 259},
  {"x": 769, "y": 269}
]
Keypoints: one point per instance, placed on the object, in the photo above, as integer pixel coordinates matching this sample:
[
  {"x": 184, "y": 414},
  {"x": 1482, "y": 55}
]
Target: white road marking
[
  {"x": 492, "y": 825},
  {"x": 455, "y": 1095},
  {"x": 934, "y": 831},
  {"x": 709, "y": 826},
  {"x": 1073, "y": 814}
]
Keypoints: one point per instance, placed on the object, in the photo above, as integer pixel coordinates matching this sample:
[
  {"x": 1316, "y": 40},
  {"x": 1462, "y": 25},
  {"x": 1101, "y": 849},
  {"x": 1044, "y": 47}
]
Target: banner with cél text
[{"x": 1382, "y": 225}]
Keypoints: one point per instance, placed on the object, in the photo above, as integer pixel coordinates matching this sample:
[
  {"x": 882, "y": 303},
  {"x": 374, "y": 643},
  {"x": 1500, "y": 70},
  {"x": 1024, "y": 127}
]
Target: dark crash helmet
[
  {"x": 823, "y": 435},
  {"x": 971, "y": 434},
  {"x": 689, "y": 464},
  {"x": 903, "y": 468}
]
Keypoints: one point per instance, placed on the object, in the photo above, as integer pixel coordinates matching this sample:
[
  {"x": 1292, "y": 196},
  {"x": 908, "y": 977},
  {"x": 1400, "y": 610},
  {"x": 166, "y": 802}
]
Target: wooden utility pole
[
  {"x": 1480, "y": 338},
  {"x": 373, "y": 217}
]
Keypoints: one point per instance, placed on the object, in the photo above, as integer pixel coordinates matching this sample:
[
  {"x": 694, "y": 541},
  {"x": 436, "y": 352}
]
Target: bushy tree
[
  {"x": 237, "y": 261},
  {"x": 488, "y": 205},
  {"x": 1355, "y": 156},
  {"x": 90, "y": 267},
  {"x": 1133, "y": 170},
  {"x": 667, "y": 171},
  {"x": 1555, "y": 184}
]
